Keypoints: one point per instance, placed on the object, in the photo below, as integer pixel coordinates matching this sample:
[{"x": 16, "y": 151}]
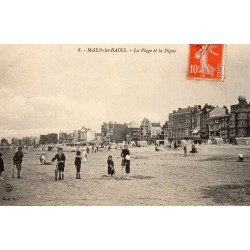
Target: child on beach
[
  {"x": 111, "y": 167},
  {"x": 60, "y": 157},
  {"x": 185, "y": 151},
  {"x": 42, "y": 159},
  {"x": 1, "y": 167},
  {"x": 78, "y": 162},
  {"x": 125, "y": 154},
  {"x": 17, "y": 161},
  {"x": 193, "y": 150}
]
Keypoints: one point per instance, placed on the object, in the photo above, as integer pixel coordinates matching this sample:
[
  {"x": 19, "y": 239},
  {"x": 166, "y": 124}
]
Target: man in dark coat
[
  {"x": 1, "y": 167},
  {"x": 17, "y": 161}
]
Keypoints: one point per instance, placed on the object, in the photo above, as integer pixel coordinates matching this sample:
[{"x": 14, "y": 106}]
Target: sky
[{"x": 52, "y": 88}]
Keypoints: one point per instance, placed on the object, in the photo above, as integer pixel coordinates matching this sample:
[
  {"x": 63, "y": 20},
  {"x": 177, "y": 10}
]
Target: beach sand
[{"x": 212, "y": 177}]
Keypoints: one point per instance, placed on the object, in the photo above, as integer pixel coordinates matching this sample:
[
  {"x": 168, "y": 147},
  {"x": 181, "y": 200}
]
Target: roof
[
  {"x": 195, "y": 131},
  {"x": 145, "y": 122},
  {"x": 155, "y": 124},
  {"x": 133, "y": 125},
  {"x": 217, "y": 112}
]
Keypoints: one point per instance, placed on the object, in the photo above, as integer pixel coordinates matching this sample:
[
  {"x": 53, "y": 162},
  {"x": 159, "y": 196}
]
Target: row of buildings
[
  {"x": 202, "y": 123},
  {"x": 110, "y": 132},
  {"x": 192, "y": 123},
  {"x": 82, "y": 136},
  {"x": 25, "y": 141},
  {"x": 117, "y": 132}
]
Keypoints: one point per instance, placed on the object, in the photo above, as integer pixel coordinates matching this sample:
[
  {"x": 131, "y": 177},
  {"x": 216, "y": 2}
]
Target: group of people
[
  {"x": 17, "y": 162},
  {"x": 125, "y": 163},
  {"x": 60, "y": 160},
  {"x": 193, "y": 150}
]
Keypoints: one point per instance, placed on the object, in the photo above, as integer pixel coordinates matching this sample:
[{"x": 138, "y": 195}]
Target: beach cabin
[
  {"x": 164, "y": 143},
  {"x": 142, "y": 144}
]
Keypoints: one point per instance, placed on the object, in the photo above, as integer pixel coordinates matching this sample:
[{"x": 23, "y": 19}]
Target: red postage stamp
[{"x": 206, "y": 61}]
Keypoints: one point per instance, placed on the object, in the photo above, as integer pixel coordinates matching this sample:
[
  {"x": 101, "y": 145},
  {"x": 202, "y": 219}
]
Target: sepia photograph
[{"x": 124, "y": 125}]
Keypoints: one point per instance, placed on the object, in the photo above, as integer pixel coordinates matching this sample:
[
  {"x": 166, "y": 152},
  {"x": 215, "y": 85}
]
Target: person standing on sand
[
  {"x": 60, "y": 157},
  {"x": 1, "y": 167},
  {"x": 185, "y": 151},
  {"x": 111, "y": 166},
  {"x": 42, "y": 159},
  {"x": 125, "y": 154},
  {"x": 193, "y": 149},
  {"x": 87, "y": 150},
  {"x": 78, "y": 162},
  {"x": 17, "y": 161}
]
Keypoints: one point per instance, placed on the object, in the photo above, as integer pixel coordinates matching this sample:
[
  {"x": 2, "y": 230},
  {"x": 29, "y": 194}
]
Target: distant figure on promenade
[
  {"x": 60, "y": 157},
  {"x": 1, "y": 167},
  {"x": 125, "y": 154},
  {"x": 193, "y": 149},
  {"x": 78, "y": 163},
  {"x": 93, "y": 148},
  {"x": 111, "y": 166},
  {"x": 185, "y": 151},
  {"x": 85, "y": 157},
  {"x": 175, "y": 145},
  {"x": 17, "y": 161},
  {"x": 87, "y": 150}
]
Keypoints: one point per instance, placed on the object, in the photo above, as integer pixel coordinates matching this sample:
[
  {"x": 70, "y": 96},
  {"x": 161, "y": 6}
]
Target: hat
[{"x": 1, "y": 154}]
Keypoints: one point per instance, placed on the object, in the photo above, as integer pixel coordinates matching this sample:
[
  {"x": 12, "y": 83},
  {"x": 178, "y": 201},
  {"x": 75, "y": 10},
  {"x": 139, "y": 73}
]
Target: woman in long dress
[{"x": 203, "y": 54}]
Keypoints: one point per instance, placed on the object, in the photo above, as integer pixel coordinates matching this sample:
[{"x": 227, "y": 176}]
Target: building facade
[
  {"x": 218, "y": 123},
  {"x": 4, "y": 142},
  {"x": 51, "y": 138},
  {"x": 204, "y": 116},
  {"x": 181, "y": 124},
  {"x": 63, "y": 137},
  {"x": 98, "y": 138},
  {"x": 151, "y": 131},
  {"x": 113, "y": 132},
  {"x": 239, "y": 119},
  {"x": 15, "y": 142},
  {"x": 145, "y": 129},
  {"x": 155, "y": 130},
  {"x": 133, "y": 132},
  {"x": 189, "y": 123}
]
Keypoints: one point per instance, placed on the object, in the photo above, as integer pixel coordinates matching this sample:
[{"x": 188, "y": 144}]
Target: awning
[{"x": 195, "y": 131}]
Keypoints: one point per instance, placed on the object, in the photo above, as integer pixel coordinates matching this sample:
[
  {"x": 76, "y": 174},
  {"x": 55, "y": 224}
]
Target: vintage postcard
[{"x": 125, "y": 125}]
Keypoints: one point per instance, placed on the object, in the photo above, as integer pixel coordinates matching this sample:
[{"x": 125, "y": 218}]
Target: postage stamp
[{"x": 206, "y": 61}]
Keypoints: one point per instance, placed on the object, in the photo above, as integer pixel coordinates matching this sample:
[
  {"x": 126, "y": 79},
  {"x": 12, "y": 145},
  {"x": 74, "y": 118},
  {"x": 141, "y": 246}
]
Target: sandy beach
[{"x": 212, "y": 177}]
